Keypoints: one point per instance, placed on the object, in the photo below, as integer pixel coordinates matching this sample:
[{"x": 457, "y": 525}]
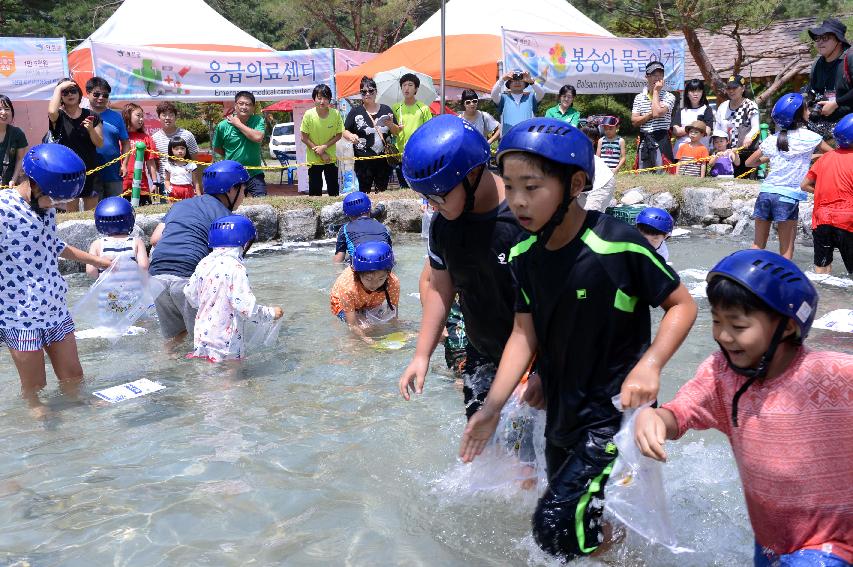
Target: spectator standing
[
  {"x": 13, "y": 145},
  {"x": 321, "y": 128},
  {"x": 826, "y": 73},
  {"x": 652, "y": 112},
  {"x": 516, "y": 105},
  {"x": 565, "y": 110},
  {"x": 611, "y": 147},
  {"x": 108, "y": 180},
  {"x": 79, "y": 129},
  {"x": 167, "y": 112},
  {"x": 134, "y": 121},
  {"x": 694, "y": 106},
  {"x": 738, "y": 118},
  {"x": 367, "y": 127},
  {"x": 411, "y": 114},
  {"x": 238, "y": 138},
  {"x": 483, "y": 122}
]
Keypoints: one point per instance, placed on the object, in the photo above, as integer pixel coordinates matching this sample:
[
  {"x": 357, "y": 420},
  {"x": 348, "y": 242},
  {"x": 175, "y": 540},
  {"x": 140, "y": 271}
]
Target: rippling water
[{"x": 306, "y": 455}]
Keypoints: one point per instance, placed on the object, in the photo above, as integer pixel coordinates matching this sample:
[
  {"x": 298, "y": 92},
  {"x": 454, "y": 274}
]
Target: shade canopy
[{"x": 473, "y": 41}]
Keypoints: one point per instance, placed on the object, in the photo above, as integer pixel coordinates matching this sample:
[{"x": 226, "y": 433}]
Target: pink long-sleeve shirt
[{"x": 793, "y": 446}]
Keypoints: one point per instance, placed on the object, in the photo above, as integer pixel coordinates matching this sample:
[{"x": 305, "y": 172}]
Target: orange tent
[{"x": 473, "y": 41}]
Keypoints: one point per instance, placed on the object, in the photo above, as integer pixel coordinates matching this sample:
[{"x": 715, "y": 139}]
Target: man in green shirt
[
  {"x": 238, "y": 137},
  {"x": 411, "y": 115}
]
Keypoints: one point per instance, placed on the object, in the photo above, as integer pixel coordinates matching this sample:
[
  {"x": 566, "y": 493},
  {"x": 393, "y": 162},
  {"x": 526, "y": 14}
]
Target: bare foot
[
  {"x": 41, "y": 412},
  {"x": 528, "y": 473}
]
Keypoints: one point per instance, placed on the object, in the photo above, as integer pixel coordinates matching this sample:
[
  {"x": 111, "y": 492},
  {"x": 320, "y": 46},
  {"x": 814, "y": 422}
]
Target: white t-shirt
[
  {"x": 484, "y": 123},
  {"x": 180, "y": 173},
  {"x": 788, "y": 169},
  {"x": 161, "y": 140}
]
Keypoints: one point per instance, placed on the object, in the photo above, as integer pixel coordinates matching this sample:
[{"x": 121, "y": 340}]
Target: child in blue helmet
[
  {"x": 787, "y": 411},
  {"x": 585, "y": 282},
  {"x": 360, "y": 227},
  {"x": 367, "y": 292},
  {"x": 655, "y": 224},
  {"x": 219, "y": 289},
  {"x": 115, "y": 219},
  {"x": 470, "y": 238},
  {"x": 34, "y": 317},
  {"x": 789, "y": 153},
  {"x": 181, "y": 241}
]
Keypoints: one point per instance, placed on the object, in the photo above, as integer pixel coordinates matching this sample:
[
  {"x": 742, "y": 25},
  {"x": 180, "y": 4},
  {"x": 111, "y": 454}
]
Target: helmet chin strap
[
  {"x": 759, "y": 371},
  {"x": 470, "y": 188}
]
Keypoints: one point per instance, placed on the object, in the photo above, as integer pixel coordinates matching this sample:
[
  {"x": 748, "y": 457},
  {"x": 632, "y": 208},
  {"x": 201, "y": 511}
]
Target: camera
[
  {"x": 517, "y": 76},
  {"x": 812, "y": 100}
]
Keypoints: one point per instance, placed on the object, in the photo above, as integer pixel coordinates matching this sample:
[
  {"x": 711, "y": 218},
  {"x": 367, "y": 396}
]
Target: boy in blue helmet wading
[
  {"x": 470, "y": 238},
  {"x": 367, "y": 292},
  {"x": 584, "y": 283},
  {"x": 34, "y": 317},
  {"x": 656, "y": 225},
  {"x": 180, "y": 242},
  {"x": 219, "y": 290},
  {"x": 114, "y": 219},
  {"x": 360, "y": 228},
  {"x": 787, "y": 411}
]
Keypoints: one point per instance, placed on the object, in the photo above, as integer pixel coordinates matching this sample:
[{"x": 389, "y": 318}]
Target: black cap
[
  {"x": 736, "y": 81},
  {"x": 653, "y": 66},
  {"x": 833, "y": 26}
]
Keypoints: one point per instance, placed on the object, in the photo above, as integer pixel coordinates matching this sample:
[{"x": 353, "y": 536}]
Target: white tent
[{"x": 473, "y": 43}]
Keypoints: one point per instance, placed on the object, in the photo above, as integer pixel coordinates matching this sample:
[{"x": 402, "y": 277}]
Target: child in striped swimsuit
[
  {"x": 611, "y": 146},
  {"x": 114, "y": 218}
]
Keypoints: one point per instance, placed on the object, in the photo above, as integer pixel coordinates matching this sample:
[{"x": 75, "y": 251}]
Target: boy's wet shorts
[
  {"x": 766, "y": 557},
  {"x": 174, "y": 312},
  {"x": 29, "y": 340},
  {"x": 478, "y": 373},
  {"x": 826, "y": 239},
  {"x": 775, "y": 207},
  {"x": 567, "y": 520}
]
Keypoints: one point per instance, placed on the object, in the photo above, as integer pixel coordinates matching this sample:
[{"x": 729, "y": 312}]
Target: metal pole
[
  {"x": 443, "y": 70},
  {"x": 136, "y": 186}
]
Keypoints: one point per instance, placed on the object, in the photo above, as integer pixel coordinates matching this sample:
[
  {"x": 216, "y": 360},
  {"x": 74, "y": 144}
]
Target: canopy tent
[
  {"x": 287, "y": 105},
  {"x": 140, "y": 22},
  {"x": 473, "y": 40}
]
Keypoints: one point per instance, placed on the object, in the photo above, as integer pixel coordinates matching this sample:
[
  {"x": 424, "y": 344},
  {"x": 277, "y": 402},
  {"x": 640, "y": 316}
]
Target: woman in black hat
[{"x": 826, "y": 73}]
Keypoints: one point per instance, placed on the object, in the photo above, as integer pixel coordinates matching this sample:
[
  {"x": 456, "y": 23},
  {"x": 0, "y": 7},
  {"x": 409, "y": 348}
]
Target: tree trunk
[
  {"x": 791, "y": 70},
  {"x": 709, "y": 72}
]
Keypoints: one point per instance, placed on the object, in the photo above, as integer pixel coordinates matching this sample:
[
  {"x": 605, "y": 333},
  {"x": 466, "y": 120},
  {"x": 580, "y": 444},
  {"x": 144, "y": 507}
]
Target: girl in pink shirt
[{"x": 787, "y": 411}]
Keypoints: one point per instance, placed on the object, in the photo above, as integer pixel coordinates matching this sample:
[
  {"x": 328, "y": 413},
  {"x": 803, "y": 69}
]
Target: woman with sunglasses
[
  {"x": 367, "y": 127},
  {"x": 483, "y": 122},
  {"x": 739, "y": 117},
  {"x": 565, "y": 110},
  {"x": 77, "y": 128},
  {"x": 694, "y": 106}
]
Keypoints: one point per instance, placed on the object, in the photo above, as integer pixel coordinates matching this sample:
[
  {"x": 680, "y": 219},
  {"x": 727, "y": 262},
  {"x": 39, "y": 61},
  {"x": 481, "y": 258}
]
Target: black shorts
[
  {"x": 826, "y": 239},
  {"x": 567, "y": 520}
]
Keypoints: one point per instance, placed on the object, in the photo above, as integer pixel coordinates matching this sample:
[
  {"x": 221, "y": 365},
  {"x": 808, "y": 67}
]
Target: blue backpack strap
[{"x": 350, "y": 244}]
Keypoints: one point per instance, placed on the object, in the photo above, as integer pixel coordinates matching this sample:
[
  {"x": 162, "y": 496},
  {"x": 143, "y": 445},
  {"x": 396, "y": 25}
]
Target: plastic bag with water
[
  {"x": 635, "y": 493},
  {"x": 380, "y": 314},
  {"x": 120, "y": 296},
  {"x": 258, "y": 335}
]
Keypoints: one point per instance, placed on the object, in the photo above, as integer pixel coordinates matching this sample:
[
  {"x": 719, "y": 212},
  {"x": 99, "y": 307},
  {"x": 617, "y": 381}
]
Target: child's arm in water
[
  {"x": 351, "y": 318},
  {"x": 94, "y": 250},
  {"x": 643, "y": 382},
  {"x": 140, "y": 253},
  {"x": 244, "y": 302},
  {"x": 653, "y": 427},
  {"x": 77, "y": 255},
  {"x": 515, "y": 360}
]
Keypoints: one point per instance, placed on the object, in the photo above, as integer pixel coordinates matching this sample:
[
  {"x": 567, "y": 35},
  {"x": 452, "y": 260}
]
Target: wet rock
[
  {"x": 719, "y": 228},
  {"x": 697, "y": 204},
  {"x": 146, "y": 225},
  {"x": 332, "y": 215},
  {"x": 744, "y": 227},
  {"x": 633, "y": 197},
  {"x": 721, "y": 206},
  {"x": 710, "y": 219},
  {"x": 298, "y": 225},
  {"x": 403, "y": 215},
  {"x": 265, "y": 219},
  {"x": 665, "y": 201}
]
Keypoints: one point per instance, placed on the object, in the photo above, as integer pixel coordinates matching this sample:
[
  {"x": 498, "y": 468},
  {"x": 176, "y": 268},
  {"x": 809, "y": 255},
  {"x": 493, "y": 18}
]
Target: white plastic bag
[
  {"x": 120, "y": 296},
  {"x": 635, "y": 493}
]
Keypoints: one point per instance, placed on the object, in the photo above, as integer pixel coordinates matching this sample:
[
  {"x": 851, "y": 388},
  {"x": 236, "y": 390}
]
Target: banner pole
[
  {"x": 443, "y": 62},
  {"x": 136, "y": 187}
]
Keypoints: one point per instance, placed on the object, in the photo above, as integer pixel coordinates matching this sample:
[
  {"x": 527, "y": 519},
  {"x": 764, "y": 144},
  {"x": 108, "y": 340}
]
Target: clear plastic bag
[
  {"x": 635, "y": 493},
  {"x": 380, "y": 314},
  {"x": 120, "y": 296},
  {"x": 259, "y": 335}
]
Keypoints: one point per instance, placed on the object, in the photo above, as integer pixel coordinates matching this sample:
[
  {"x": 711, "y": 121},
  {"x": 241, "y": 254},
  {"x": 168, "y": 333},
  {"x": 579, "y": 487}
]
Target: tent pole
[{"x": 443, "y": 66}]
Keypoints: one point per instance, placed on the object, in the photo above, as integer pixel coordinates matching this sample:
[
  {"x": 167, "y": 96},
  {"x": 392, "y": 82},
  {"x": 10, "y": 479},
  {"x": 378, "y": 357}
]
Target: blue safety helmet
[
  {"x": 441, "y": 153},
  {"x": 220, "y": 177},
  {"x": 114, "y": 215},
  {"x": 656, "y": 218},
  {"x": 775, "y": 280},
  {"x": 785, "y": 110},
  {"x": 58, "y": 171},
  {"x": 843, "y": 132},
  {"x": 233, "y": 230},
  {"x": 356, "y": 204},
  {"x": 369, "y": 256}
]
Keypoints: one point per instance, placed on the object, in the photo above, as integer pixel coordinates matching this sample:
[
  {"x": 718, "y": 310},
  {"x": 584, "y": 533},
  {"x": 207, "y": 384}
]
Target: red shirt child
[{"x": 134, "y": 119}]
